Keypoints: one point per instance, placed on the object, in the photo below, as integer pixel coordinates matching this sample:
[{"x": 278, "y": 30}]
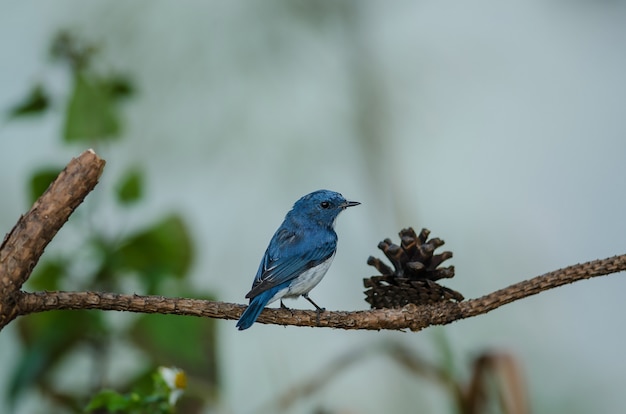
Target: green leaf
[
  {"x": 121, "y": 86},
  {"x": 35, "y": 103},
  {"x": 164, "y": 250},
  {"x": 47, "y": 275},
  {"x": 153, "y": 400},
  {"x": 130, "y": 188},
  {"x": 91, "y": 113},
  {"x": 110, "y": 400},
  {"x": 40, "y": 181}
]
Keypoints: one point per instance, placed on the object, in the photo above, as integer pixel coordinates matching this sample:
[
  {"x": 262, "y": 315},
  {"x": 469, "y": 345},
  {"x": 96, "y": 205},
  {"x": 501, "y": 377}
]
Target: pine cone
[{"x": 415, "y": 271}]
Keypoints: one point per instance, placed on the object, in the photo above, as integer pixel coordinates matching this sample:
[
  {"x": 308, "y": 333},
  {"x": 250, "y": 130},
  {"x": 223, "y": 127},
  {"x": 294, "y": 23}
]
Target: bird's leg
[
  {"x": 317, "y": 308},
  {"x": 282, "y": 306},
  {"x": 306, "y": 296}
]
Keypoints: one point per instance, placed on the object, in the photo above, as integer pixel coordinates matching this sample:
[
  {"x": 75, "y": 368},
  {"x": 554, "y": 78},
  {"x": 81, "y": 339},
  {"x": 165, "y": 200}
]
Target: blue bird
[{"x": 298, "y": 255}]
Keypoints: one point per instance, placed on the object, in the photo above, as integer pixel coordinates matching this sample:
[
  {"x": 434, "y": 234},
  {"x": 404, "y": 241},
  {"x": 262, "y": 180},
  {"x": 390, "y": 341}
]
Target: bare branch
[
  {"x": 411, "y": 317},
  {"x": 547, "y": 281}
]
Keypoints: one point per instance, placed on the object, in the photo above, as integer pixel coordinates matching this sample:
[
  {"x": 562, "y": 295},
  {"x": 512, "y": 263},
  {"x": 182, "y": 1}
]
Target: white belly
[{"x": 305, "y": 282}]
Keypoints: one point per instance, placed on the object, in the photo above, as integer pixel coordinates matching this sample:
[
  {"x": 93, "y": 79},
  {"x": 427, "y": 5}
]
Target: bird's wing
[{"x": 288, "y": 255}]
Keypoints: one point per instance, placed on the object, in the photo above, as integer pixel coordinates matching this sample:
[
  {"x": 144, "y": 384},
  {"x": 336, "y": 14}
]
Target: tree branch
[
  {"x": 411, "y": 317},
  {"x": 23, "y": 246}
]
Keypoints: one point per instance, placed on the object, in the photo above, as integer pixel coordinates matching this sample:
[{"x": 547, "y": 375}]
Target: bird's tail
[{"x": 248, "y": 317}]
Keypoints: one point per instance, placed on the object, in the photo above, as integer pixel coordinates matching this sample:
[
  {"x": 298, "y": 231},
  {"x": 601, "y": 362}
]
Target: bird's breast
[{"x": 306, "y": 281}]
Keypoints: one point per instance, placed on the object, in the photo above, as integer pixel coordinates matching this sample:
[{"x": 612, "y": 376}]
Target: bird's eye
[{"x": 324, "y": 204}]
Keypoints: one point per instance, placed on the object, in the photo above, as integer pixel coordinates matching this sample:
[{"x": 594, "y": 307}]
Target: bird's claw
[{"x": 318, "y": 311}]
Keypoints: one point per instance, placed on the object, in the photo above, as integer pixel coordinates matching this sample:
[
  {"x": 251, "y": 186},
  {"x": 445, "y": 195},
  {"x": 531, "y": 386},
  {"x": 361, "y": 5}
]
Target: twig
[
  {"x": 470, "y": 398},
  {"x": 23, "y": 246},
  {"x": 313, "y": 384}
]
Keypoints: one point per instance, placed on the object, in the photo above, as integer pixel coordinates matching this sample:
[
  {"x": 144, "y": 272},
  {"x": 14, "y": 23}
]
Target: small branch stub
[{"x": 413, "y": 278}]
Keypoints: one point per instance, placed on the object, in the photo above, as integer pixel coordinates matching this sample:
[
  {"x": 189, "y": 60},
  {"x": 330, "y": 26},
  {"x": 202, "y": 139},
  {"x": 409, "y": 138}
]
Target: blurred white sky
[{"x": 501, "y": 127}]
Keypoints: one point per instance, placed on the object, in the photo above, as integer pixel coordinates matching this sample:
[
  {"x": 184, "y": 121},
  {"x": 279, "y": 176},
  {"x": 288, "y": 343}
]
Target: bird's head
[{"x": 322, "y": 206}]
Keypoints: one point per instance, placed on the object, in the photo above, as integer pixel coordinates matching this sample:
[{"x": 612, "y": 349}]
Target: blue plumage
[{"x": 299, "y": 253}]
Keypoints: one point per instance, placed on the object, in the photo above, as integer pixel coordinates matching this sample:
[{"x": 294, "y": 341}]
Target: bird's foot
[
  {"x": 282, "y": 306},
  {"x": 318, "y": 311}
]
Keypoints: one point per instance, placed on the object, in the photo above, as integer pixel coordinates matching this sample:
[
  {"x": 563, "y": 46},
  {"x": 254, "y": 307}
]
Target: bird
[{"x": 298, "y": 255}]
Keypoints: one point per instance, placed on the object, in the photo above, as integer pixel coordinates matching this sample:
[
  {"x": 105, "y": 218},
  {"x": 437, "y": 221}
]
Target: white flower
[{"x": 176, "y": 381}]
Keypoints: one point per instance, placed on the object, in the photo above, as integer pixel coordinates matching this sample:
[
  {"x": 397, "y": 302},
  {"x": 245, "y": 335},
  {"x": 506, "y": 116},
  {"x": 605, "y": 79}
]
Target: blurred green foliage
[
  {"x": 160, "y": 252},
  {"x": 130, "y": 188},
  {"x": 40, "y": 181},
  {"x": 155, "y": 259},
  {"x": 91, "y": 110},
  {"x": 35, "y": 103},
  {"x": 159, "y": 398}
]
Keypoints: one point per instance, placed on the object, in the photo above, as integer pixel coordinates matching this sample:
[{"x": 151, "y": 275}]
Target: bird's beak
[{"x": 349, "y": 204}]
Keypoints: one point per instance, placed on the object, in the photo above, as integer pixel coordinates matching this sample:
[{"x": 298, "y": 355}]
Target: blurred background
[{"x": 499, "y": 126}]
